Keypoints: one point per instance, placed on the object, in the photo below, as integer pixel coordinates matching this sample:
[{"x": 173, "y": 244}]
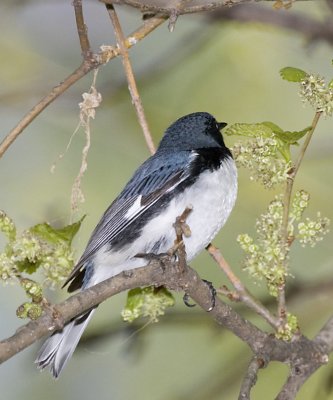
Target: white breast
[{"x": 212, "y": 198}]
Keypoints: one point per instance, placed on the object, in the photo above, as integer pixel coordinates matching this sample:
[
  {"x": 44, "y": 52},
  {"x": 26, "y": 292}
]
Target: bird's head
[{"x": 193, "y": 131}]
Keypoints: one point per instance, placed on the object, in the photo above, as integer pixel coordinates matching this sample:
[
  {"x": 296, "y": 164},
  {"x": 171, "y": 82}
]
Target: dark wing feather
[{"x": 150, "y": 182}]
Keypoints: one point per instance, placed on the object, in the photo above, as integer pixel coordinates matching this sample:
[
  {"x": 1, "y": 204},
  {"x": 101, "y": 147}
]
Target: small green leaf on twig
[
  {"x": 291, "y": 137},
  {"x": 292, "y": 74},
  {"x": 27, "y": 266},
  {"x": 53, "y": 235},
  {"x": 39, "y": 247},
  {"x": 249, "y": 130}
]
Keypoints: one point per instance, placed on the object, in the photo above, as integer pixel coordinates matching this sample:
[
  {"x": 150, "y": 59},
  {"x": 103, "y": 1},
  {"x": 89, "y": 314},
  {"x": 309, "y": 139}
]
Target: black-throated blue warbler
[{"x": 191, "y": 167}]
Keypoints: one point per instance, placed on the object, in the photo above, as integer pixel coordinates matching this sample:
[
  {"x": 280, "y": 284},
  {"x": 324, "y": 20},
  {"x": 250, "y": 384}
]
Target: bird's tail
[{"x": 59, "y": 347}]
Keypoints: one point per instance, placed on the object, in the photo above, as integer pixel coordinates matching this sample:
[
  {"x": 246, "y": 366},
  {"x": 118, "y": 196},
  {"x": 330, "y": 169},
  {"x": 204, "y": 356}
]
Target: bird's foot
[
  {"x": 212, "y": 294},
  {"x": 186, "y": 301},
  {"x": 151, "y": 257},
  {"x": 186, "y": 297}
]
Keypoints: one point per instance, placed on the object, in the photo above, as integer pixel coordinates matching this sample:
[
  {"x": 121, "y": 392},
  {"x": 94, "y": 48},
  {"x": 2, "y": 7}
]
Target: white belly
[{"x": 212, "y": 198}]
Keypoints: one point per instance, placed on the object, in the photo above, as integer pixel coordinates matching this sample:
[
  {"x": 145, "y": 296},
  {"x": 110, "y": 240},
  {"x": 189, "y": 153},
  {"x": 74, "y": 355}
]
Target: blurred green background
[{"x": 228, "y": 69}]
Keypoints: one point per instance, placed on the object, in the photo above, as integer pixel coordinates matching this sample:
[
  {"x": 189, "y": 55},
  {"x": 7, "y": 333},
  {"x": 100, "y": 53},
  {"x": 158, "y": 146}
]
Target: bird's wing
[{"x": 147, "y": 186}]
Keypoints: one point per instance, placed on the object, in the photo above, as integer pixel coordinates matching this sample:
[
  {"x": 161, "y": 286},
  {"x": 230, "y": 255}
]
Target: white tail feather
[{"x": 59, "y": 347}]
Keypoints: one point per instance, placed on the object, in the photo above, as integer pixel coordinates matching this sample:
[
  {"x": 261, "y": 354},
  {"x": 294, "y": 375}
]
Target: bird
[{"x": 192, "y": 167}]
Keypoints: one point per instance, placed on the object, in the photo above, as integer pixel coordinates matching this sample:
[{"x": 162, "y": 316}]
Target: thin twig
[
  {"x": 182, "y": 229},
  {"x": 243, "y": 294},
  {"x": 132, "y": 86},
  {"x": 83, "y": 69},
  {"x": 306, "y": 142},
  {"x": 325, "y": 335},
  {"x": 82, "y": 29},
  {"x": 87, "y": 66},
  {"x": 250, "y": 378},
  {"x": 282, "y": 312}
]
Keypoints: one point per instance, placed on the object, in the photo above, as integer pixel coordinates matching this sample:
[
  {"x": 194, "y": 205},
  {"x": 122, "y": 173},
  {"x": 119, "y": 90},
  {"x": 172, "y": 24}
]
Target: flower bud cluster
[
  {"x": 26, "y": 247},
  {"x": 267, "y": 257},
  {"x": 7, "y": 226},
  {"x": 310, "y": 232},
  {"x": 29, "y": 310},
  {"x": 147, "y": 302},
  {"x": 260, "y": 156},
  {"x": 314, "y": 91},
  {"x": 287, "y": 331},
  {"x": 33, "y": 289},
  {"x": 7, "y": 268},
  {"x": 57, "y": 265},
  {"x": 29, "y": 251}
]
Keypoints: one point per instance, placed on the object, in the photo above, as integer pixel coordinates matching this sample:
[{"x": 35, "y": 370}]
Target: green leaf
[
  {"x": 275, "y": 128},
  {"x": 54, "y": 236},
  {"x": 28, "y": 266},
  {"x": 292, "y": 74},
  {"x": 248, "y": 130},
  {"x": 284, "y": 149},
  {"x": 69, "y": 232},
  {"x": 330, "y": 84},
  {"x": 292, "y": 137}
]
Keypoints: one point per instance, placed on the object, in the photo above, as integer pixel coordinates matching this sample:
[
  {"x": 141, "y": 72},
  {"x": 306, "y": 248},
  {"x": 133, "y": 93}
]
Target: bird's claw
[
  {"x": 186, "y": 299},
  {"x": 212, "y": 293}
]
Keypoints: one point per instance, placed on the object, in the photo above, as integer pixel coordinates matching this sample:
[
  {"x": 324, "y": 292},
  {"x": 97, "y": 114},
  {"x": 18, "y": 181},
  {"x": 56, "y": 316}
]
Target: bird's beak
[{"x": 221, "y": 125}]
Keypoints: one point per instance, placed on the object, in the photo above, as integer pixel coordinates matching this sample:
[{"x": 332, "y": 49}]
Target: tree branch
[
  {"x": 179, "y": 7},
  {"x": 242, "y": 294},
  {"x": 311, "y": 28},
  {"x": 82, "y": 29},
  {"x": 250, "y": 378},
  {"x": 87, "y": 65},
  {"x": 153, "y": 274},
  {"x": 132, "y": 86},
  {"x": 295, "y": 291},
  {"x": 325, "y": 335}
]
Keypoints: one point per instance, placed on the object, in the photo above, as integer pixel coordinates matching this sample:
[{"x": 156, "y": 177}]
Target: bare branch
[
  {"x": 299, "y": 375},
  {"x": 132, "y": 86},
  {"x": 82, "y": 29},
  {"x": 311, "y": 28},
  {"x": 325, "y": 336},
  {"x": 84, "y": 68},
  {"x": 250, "y": 378},
  {"x": 242, "y": 293},
  {"x": 304, "y": 364},
  {"x": 153, "y": 274},
  {"x": 88, "y": 65},
  {"x": 185, "y": 7}
]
